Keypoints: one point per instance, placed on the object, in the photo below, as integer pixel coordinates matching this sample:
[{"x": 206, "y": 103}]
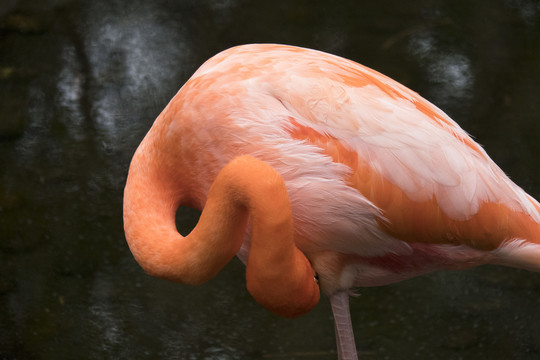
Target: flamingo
[{"x": 321, "y": 175}]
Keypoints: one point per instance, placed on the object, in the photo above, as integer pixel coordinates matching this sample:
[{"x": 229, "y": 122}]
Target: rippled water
[{"x": 82, "y": 81}]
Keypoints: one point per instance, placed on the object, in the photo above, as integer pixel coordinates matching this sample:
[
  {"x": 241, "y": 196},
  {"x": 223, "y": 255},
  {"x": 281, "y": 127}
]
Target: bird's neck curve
[
  {"x": 151, "y": 198},
  {"x": 278, "y": 275}
]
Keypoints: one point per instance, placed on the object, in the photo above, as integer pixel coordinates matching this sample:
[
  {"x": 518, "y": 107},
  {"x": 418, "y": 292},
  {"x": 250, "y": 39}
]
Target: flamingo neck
[
  {"x": 278, "y": 275},
  {"x": 151, "y": 199}
]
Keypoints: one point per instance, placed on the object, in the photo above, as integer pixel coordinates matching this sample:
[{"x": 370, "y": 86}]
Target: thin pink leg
[{"x": 342, "y": 320}]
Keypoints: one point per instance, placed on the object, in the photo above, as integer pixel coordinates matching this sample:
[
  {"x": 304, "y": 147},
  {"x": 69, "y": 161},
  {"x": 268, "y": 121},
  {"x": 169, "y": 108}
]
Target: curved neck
[{"x": 278, "y": 275}]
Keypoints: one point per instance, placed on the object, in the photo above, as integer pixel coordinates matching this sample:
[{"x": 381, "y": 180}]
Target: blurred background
[{"x": 82, "y": 81}]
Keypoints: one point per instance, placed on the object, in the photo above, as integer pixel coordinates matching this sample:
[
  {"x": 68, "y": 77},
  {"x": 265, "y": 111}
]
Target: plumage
[{"x": 381, "y": 184}]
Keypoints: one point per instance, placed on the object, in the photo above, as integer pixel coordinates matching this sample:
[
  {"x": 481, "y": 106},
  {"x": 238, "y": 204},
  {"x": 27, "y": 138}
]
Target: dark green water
[{"x": 82, "y": 81}]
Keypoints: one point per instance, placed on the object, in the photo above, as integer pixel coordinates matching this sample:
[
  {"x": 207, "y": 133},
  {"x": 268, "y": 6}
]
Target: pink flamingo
[{"x": 310, "y": 166}]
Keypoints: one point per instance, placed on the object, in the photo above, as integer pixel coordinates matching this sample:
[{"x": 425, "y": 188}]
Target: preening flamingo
[{"x": 310, "y": 166}]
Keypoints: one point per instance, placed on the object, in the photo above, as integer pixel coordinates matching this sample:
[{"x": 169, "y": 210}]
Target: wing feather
[{"x": 395, "y": 148}]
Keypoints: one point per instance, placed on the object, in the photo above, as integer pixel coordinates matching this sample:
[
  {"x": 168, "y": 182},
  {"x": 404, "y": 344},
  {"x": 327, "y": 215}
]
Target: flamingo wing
[{"x": 430, "y": 181}]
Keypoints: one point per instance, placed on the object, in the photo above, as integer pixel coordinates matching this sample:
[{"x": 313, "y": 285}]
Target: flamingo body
[{"x": 381, "y": 184}]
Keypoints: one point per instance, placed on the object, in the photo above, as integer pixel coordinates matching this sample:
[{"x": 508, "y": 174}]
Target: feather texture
[{"x": 370, "y": 166}]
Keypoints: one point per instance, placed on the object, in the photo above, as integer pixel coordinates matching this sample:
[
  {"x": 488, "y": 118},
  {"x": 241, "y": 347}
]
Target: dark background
[{"x": 82, "y": 81}]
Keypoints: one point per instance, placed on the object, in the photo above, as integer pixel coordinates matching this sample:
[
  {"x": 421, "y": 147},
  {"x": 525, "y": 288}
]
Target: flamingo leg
[{"x": 342, "y": 321}]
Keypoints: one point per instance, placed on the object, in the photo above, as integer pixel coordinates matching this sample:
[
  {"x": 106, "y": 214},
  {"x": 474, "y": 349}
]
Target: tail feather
[{"x": 519, "y": 253}]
